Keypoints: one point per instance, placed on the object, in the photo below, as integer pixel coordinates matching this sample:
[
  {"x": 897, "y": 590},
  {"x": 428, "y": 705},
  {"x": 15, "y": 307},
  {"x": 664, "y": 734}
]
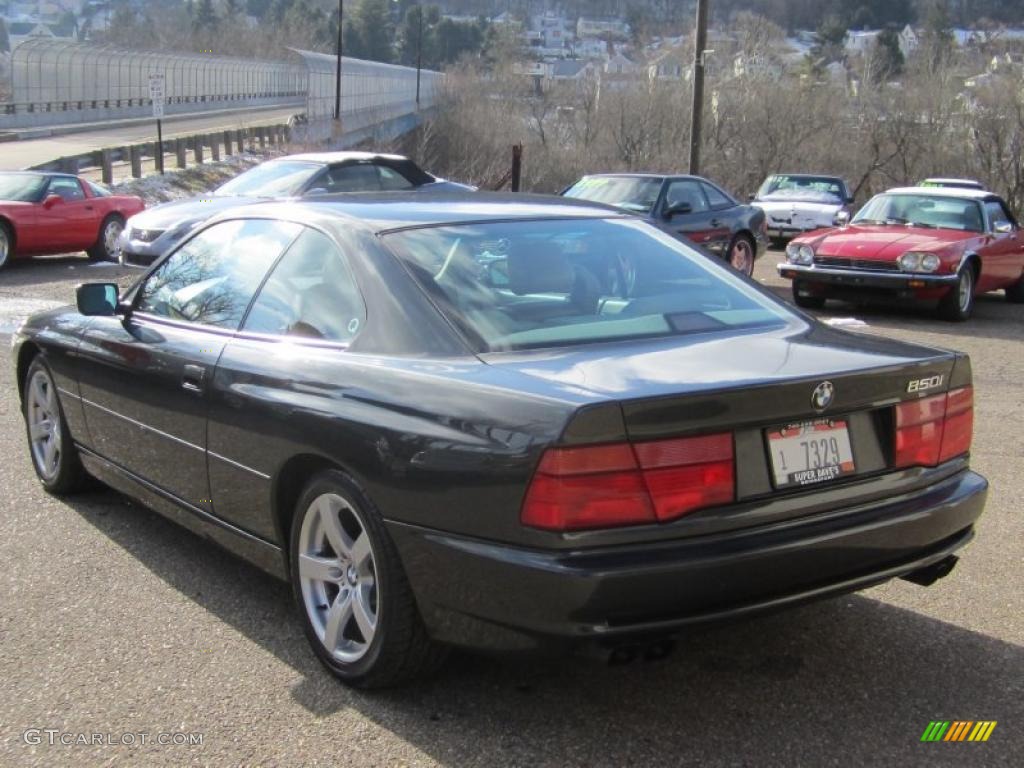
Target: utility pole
[
  {"x": 697, "y": 114},
  {"x": 419, "y": 53},
  {"x": 337, "y": 74}
]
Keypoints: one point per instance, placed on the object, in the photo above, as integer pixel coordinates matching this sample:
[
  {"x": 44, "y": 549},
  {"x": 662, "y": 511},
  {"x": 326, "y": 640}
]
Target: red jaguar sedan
[
  {"x": 42, "y": 213},
  {"x": 939, "y": 245}
]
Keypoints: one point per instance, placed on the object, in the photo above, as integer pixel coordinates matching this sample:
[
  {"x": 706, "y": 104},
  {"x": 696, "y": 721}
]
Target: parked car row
[{"x": 944, "y": 241}]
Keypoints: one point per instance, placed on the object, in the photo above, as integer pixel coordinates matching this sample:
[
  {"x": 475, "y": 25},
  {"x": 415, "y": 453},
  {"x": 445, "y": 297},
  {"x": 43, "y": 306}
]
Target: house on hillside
[
  {"x": 862, "y": 41},
  {"x": 619, "y": 65},
  {"x": 589, "y": 48},
  {"x": 669, "y": 65},
  {"x": 909, "y": 41},
  {"x": 756, "y": 65},
  {"x": 20, "y": 31},
  {"x": 607, "y": 27}
]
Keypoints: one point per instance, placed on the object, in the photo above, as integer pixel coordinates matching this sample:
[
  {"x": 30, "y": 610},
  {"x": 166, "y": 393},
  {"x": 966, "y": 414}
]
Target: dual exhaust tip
[{"x": 654, "y": 650}]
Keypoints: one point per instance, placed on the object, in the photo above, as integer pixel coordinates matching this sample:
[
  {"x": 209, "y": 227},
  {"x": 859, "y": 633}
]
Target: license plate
[{"x": 810, "y": 452}]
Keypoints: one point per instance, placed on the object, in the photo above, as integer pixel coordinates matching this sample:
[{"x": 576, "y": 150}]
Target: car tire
[
  {"x": 958, "y": 304},
  {"x": 105, "y": 248},
  {"x": 51, "y": 447},
  {"x": 1015, "y": 293},
  {"x": 354, "y": 599},
  {"x": 6, "y": 243},
  {"x": 803, "y": 300},
  {"x": 741, "y": 254}
]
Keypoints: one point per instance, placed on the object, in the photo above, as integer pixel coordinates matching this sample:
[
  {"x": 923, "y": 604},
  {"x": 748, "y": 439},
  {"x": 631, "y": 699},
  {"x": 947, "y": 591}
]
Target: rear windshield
[
  {"x": 274, "y": 179},
  {"x": 823, "y": 189},
  {"x": 634, "y": 193},
  {"x": 526, "y": 284}
]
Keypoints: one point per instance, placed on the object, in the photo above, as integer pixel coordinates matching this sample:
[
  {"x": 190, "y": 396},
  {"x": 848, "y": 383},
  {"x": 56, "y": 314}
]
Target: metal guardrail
[{"x": 231, "y": 141}]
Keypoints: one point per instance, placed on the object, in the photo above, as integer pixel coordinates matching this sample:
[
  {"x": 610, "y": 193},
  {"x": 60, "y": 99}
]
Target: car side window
[
  {"x": 997, "y": 214},
  {"x": 391, "y": 180},
  {"x": 716, "y": 198},
  {"x": 353, "y": 178},
  {"x": 686, "y": 191},
  {"x": 68, "y": 189},
  {"x": 212, "y": 278},
  {"x": 97, "y": 190},
  {"x": 311, "y": 293}
]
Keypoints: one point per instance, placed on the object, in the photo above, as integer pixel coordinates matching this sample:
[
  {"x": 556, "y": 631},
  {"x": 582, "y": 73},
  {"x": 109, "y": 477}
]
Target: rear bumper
[
  {"x": 902, "y": 283},
  {"x": 494, "y": 597}
]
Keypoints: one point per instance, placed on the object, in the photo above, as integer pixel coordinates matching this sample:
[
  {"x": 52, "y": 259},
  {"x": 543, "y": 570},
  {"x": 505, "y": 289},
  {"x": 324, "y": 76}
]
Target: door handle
[
  {"x": 192, "y": 378},
  {"x": 716, "y": 223}
]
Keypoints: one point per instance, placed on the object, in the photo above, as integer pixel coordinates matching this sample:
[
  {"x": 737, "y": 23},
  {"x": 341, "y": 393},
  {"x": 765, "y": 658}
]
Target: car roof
[
  {"x": 960, "y": 192},
  {"x": 644, "y": 176},
  {"x": 807, "y": 175},
  {"x": 339, "y": 157},
  {"x": 950, "y": 180},
  {"x": 385, "y": 211},
  {"x": 40, "y": 173}
]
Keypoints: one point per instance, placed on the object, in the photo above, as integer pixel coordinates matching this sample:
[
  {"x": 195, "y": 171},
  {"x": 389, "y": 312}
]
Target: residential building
[
  {"x": 669, "y": 65},
  {"x": 611, "y": 28}
]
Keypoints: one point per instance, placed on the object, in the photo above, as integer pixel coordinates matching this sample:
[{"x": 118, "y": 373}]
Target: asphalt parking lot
[{"x": 115, "y": 622}]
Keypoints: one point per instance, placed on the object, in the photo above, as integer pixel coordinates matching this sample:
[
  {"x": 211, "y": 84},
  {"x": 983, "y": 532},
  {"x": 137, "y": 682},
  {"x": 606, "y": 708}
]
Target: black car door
[
  {"x": 695, "y": 224},
  {"x": 278, "y": 374},
  {"x": 144, "y": 377},
  {"x": 725, "y": 213}
]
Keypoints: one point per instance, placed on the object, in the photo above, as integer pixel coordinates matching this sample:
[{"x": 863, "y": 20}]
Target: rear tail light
[
  {"x": 605, "y": 486},
  {"x": 934, "y": 429}
]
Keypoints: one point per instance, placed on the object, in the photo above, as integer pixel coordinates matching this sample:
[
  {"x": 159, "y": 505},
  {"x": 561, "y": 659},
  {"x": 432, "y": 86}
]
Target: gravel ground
[{"x": 114, "y": 621}]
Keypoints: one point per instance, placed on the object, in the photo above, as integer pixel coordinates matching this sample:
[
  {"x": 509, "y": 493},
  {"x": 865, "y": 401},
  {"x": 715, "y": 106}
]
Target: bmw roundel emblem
[{"x": 822, "y": 396}]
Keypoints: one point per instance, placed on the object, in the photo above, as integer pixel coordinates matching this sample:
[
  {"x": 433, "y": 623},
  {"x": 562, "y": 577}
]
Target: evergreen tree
[
  {"x": 938, "y": 42},
  {"x": 887, "y": 56},
  {"x": 205, "y": 16},
  {"x": 5, "y": 40},
  {"x": 372, "y": 32}
]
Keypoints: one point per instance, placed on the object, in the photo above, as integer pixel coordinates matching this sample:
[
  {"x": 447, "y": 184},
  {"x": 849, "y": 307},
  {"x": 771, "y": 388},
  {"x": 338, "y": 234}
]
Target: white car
[{"x": 795, "y": 203}]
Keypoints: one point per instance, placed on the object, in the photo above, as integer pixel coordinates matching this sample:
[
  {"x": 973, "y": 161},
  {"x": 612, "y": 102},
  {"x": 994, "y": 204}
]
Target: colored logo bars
[{"x": 958, "y": 730}]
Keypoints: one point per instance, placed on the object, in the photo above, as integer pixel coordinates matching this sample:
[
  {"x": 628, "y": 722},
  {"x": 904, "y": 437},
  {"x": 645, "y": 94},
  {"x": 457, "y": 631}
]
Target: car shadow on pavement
[
  {"x": 994, "y": 317},
  {"x": 851, "y": 677}
]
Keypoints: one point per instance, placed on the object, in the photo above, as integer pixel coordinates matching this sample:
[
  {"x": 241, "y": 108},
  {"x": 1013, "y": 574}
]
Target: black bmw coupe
[{"x": 503, "y": 423}]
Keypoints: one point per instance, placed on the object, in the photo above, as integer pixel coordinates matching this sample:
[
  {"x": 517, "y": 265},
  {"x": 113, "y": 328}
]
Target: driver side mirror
[
  {"x": 1003, "y": 228},
  {"x": 677, "y": 208},
  {"x": 52, "y": 200},
  {"x": 842, "y": 219},
  {"x": 97, "y": 299}
]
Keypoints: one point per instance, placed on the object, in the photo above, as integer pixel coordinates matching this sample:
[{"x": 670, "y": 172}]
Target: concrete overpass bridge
[{"x": 71, "y": 98}]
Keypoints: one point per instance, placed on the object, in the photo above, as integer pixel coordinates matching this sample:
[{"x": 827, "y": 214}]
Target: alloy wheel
[
  {"x": 44, "y": 424},
  {"x": 5, "y": 245},
  {"x": 965, "y": 289},
  {"x": 338, "y": 577},
  {"x": 111, "y": 233},
  {"x": 741, "y": 257}
]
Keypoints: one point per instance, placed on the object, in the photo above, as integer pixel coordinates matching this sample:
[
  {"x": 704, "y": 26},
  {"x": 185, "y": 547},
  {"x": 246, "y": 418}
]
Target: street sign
[{"x": 156, "y": 93}]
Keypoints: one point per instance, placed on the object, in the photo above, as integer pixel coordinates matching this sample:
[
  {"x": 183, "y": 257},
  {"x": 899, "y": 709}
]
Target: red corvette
[
  {"x": 44, "y": 213},
  {"x": 922, "y": 244}
]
